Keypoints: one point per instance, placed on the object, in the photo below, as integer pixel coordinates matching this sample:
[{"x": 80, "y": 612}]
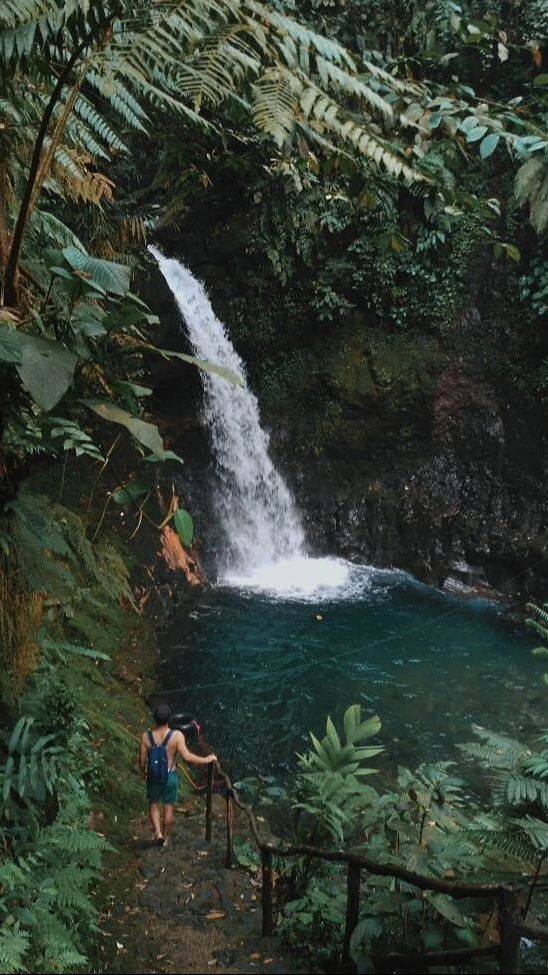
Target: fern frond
[
  {"x": 522, "y": 789},
  {"x": 14, "y": 944},
  {"x": 531, "y": 188},
  {"x": 97, "y": 124},
  {"x": 219, "y": 67},
  {"x": 536, "y": 830},
  {"x": 498, "y": 838},
  {"x": 541, "y": 612},
  {"x": 537, "y": 765},
  {"x": 497, "y": 752},
  {"x": 323, "y": 115},
  {"x": 121, "y": 100},
  {"x": 353, "y": 86},
  {"x": 47, "y": 226},
  {"x": 275, "y": 103},
  {"x": 301, "y": 35},
  {"x": 539, "y": 629},
  {"x": 81, "y": 136},
  {"x": 68, "y": 166}
]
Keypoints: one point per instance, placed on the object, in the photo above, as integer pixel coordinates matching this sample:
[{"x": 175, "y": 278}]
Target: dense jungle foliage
[
  {"x": 382, "y": 280},
  {"x": 353, "y": 167},
  {"x": 428, "y": 822}
]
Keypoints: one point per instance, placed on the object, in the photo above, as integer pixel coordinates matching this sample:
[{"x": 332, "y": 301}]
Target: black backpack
[{"x": 158, "y": 761}]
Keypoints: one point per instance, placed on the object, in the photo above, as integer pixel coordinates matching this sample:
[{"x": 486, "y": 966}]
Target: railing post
[
  {"x": 229, "y": 828},
  {"x": 209, "y": 801},
  {"x": 268, "y": 915},
  {"x": 509, "y": 919},
  {"x": 352, "y": 912}
]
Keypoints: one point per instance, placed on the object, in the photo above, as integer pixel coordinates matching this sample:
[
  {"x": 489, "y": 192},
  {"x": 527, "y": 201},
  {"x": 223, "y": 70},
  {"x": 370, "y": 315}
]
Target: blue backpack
[{"x": 158, "y": 761}]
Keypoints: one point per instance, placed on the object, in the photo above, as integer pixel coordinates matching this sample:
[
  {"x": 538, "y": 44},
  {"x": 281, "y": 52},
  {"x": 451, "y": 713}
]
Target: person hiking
[{"x": 158, "y": 753}]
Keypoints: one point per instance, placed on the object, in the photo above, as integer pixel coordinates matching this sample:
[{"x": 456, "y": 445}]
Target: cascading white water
[{"x": 257, "y": 512}]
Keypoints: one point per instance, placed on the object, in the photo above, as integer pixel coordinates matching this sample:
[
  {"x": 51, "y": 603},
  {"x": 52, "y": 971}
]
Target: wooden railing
[{"x": 511, "y": 917}]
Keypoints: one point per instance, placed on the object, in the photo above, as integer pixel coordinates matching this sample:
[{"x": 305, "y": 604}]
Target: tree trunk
[{"x": 11, "y": 280}]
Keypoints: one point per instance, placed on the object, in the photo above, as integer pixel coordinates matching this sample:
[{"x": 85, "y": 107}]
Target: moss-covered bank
[{"x": 78, "y": 660}]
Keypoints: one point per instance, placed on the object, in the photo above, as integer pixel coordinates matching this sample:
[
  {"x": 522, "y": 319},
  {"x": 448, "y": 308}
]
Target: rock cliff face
[
  {"x": 464, "y": 505},
  {"x": 468, "y": 508}
]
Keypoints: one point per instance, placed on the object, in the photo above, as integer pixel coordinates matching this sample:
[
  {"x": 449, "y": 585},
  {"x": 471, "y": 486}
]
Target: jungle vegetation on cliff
[{"x": 381, "y": 151}]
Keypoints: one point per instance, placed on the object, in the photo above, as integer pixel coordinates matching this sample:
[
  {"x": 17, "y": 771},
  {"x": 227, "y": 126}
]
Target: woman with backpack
[{"x": 158, "y": 753}]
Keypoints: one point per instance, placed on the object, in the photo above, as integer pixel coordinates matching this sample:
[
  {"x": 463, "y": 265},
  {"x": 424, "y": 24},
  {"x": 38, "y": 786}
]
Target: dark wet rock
[
  {"x": 148, "y": 869},
  {"x": 206, "y": 898},
  {"x": 468, "y": 489},
  {"x": 228, "y": 890},
  {"x": 153, "y": 900},
  {"x": 225, "y": 958}
]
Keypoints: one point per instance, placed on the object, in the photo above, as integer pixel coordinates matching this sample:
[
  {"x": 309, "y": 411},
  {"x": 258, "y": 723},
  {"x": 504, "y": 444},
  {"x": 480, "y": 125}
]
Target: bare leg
[
  {"x": 168, "y": 819},
  {"x": 154, "y": 816}
]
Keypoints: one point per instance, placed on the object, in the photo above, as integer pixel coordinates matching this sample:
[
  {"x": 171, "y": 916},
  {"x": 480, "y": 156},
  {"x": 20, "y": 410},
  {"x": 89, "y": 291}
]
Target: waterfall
[{"x": 257, "y": 513}]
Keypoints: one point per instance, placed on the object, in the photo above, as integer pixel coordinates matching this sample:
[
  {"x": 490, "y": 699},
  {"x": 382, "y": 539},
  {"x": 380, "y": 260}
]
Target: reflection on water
[{"x": 262, "y": 671}]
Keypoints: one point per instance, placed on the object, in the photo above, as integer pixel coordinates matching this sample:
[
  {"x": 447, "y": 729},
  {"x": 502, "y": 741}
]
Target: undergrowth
[{"x": 67, "y": 748}]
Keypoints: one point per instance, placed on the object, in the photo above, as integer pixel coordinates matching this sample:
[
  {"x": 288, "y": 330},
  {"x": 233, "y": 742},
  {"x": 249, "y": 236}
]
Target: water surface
[{"x": 262, "y": 666}]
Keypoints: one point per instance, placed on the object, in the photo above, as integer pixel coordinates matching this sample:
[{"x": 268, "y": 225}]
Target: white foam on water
[{"x": 304, "y": 579}]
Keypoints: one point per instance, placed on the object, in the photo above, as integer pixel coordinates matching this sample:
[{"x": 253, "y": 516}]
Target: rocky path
[{"x": 180, "y": 909}]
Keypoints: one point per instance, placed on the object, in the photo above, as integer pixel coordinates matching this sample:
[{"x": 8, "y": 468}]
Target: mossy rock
[
  {"x": 350, "y": 368},
  {"x": 405, "y": 366}
]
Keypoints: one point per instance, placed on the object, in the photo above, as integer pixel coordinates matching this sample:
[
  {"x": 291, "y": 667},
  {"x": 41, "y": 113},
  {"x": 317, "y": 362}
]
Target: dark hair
[{"x": 162, "y": 713}]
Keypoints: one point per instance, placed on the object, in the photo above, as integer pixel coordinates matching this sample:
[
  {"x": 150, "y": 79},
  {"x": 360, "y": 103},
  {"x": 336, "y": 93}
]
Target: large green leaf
[
  {"x": 10, "y": 344},
  {"x": 46, "y": 369},
  {"x": 477, "y": 133},
  {"x": 489, "y": 144},
  {"x": 114, "y": 278},
  {"x": 332, "y": 736},
  {"x": 146, "y": 433},
  {"x": 184, "y": 526},
  {"x": 165, "y": 455},
  {"x": 87, "y": 321},
  {"x": 446, "y": 907},
  {"x": 202, "y": 364},
  {"x": 127, "y": 316},
  {"x": 74, "y": 648},
  {"x": 131, "y": 491}
]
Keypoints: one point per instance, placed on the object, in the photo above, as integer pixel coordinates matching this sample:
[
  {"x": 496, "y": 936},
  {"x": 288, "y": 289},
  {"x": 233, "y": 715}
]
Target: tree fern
[{"x": 179, "y": 57}]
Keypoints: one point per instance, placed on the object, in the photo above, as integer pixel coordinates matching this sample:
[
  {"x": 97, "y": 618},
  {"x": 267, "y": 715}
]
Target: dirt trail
[{"x": 179, "y": 909}]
